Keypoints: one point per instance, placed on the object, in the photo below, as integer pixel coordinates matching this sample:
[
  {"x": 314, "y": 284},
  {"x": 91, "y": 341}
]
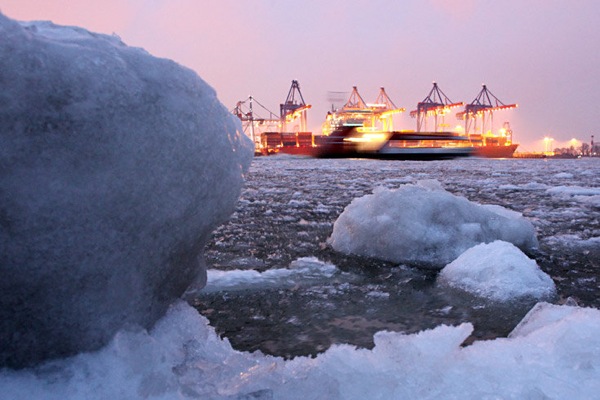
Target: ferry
[{"x": 353, "y": 142}]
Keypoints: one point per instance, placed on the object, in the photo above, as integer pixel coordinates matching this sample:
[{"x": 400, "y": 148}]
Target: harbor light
[{"x": 548, "y": 145}]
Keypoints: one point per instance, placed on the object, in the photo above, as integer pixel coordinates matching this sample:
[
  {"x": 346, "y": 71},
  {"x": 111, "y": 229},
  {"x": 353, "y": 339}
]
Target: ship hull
[{"x": 495, "y": 151}]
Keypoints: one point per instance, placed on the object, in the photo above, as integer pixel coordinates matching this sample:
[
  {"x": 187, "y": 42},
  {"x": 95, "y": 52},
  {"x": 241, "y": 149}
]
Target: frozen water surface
[{"x": 287, "y": 211}]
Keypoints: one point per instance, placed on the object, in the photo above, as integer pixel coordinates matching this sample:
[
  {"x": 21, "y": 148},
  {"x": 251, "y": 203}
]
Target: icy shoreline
[{"x": 553, "y": 354}]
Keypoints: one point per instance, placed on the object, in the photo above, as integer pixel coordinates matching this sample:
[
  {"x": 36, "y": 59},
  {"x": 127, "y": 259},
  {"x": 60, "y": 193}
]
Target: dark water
[{"x": 287, "y": 210}]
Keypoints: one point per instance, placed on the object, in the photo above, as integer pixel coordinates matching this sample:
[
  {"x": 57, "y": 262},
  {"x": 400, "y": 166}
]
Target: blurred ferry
[{"x": 356, "y": 142}]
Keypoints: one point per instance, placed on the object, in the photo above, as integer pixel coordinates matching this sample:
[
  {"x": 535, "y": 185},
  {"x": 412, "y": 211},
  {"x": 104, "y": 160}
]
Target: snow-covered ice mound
[
  {"x": 424, "y": 225},
  {"x": 498, "y": 271},
  {"x": 553, "y": 354},
  {"x": 115, "y": 167}
]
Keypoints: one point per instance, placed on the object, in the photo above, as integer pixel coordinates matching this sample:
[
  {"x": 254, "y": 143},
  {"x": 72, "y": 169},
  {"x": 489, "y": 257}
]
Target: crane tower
[
  {"x": 479, "y": 114},
  {"x": 435, "y": 105},
  {"x": 293, "y": 110}
]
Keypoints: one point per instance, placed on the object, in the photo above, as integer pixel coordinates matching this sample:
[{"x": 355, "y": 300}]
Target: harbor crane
[
  {"x": 252, "y": 122},
  {"x": 272, "y": 132},
  {"x": 435, "y": 105},
  {"x": 294, "y": 109},
  {"x": 385, "y": 110},
  {"x": 375, "y": 116},
  {"x": 482, "y": 109}
]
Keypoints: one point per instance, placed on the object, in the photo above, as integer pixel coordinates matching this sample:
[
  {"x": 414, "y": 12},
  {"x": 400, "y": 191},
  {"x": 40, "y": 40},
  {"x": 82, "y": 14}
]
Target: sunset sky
[{"x": 542, "y": 54}]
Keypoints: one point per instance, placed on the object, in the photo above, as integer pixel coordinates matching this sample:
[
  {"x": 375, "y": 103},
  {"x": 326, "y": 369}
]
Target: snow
[
  {"x": 115, "y": 167},
  {"x": 553, "y": 354},
  {"x": 498, "y": 271},
  {"x": 424, "y": 224}
]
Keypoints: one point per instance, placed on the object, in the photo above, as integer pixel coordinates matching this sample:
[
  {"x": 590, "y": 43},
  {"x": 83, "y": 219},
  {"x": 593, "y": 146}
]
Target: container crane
[
  {"x": 385, "y": 109},
  {"x": 356, "y": 112},
  {"x": 482, "y": 108},
  {"x": 294, "y": 109},
  {"x": 252, "y": 123},
  {"x": 435, "y": 105},
  {"x": 273, "y": 134}
]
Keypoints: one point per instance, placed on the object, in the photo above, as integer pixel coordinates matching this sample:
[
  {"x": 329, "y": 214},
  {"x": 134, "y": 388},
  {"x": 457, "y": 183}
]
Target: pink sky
[{"x": 541, "y": 54}]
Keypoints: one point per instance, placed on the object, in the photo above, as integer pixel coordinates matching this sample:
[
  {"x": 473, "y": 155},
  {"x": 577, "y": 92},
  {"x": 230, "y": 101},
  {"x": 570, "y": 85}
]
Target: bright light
[
  {"x": 548, "y": 144},
  {"x": 367, "y": 137}
]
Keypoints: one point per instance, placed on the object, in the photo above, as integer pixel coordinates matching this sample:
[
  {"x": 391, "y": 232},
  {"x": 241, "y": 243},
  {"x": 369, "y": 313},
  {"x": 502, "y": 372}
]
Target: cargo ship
[{"x": 494, "y": 146}]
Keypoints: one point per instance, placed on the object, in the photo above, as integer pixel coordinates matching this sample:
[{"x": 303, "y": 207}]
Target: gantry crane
[
  {"x": 385, "y": 109},
  {"x": 273, "y": 132},
  {"x": 252, "y": 123},
  {"x": 482, "y": 108},
  {"x": 294, "y": 109},
  {"x": 435, "y": 105},
  {"x": 356, "y": 112}
]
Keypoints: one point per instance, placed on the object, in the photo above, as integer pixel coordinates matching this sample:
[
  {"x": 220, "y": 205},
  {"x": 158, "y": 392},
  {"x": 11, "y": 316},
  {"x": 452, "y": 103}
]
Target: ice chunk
[
  {"x": 424, "y": 224},
  {"x": 301, "y": 270},
  {"x": 498, "y": 271},
  {"x": 115, "y": 166}
]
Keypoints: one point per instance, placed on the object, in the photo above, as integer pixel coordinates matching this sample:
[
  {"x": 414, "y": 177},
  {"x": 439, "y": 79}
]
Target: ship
[
  {"x": 494, "y": 146},
  {"x": 353, "y": 142},
  {"x": 360, "y": 129}
]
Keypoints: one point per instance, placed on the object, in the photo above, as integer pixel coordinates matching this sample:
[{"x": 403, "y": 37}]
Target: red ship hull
[{"x": 495, "y": 151}]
